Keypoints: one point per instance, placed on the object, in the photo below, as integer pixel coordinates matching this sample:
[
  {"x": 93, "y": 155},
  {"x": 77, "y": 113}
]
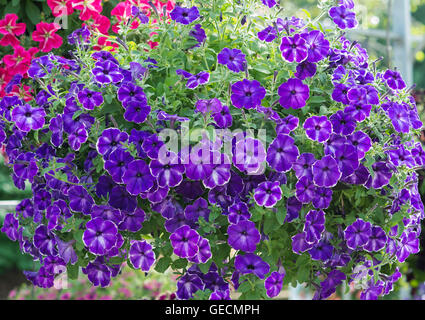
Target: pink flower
[
  {"x": 45, "y": 33},
  {"x": 20, "y": 61},
  {"x": 65, "y": 296},
  {"x": 89, "y": 8},
  {"x": 5, "y": 77},
  {"x": 60, "y": 7},
  {"x": 101, "y": 24},
  {"x": 22, "y": 92},
  {"x": 123, "y": 13},
  {"x": 11, "y": 29}
]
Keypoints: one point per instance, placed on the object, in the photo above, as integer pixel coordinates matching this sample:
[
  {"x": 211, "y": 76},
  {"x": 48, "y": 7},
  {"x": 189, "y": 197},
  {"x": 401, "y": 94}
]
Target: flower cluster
[{"x": 243, "y": 157}]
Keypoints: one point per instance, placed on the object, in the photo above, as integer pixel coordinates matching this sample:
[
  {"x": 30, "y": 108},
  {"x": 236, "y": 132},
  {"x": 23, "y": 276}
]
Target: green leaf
[
  {"x": 281, "y": 215},
  {"x": 33, "y": 12},
  {"x": 72, "y": 271},
  {"x": 179, "y": 263},
  {"x": 163, "y": 264}
]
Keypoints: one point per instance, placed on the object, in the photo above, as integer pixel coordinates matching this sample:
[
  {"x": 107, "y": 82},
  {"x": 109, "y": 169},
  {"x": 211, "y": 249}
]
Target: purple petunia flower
[
  {"x": 234, "y": 59},
  {"x": 66, "y": 251},
  {"x": 318, "y": 128},
  {"x": 251, "y": 263},
  {"x": 305, "y": 70},
  {"x": 287, "y": 124},
  {"x": 167, "y": 170},
  {"x": 90, "y": 99},
  {"x": 326, "y": 172},
  {"x": 293, "y": 208},
  {"x": 77, "y": 138},
  {"x": 45, "y": 241},
  {"x": 377, "y": 239},
  {"x": 294, "y": 48},
  {"x": 132, "y": 220},
  {"x": 141, "y": 255},
  {"x": 223, "y": 119},
  {"x": 151, "y": 146},
  {"x": 318, "y": 46},
  {"x": 204, "y": 252},
  {"x": 293, "y": 94},
  {"x": 80, "y": 200},
  {"x": 129, "y": 91},
  {"x": 358, "y": 111},
  {"x": 249, "y": 155},
  {"x": 210, "y": 106},
  {"x": 321, "y": 251},
  {"x": 117, "y": 164},
  {"x": 274, "y": 284},
  {"x": 194, "y": 80},
  {"x": 302, "y": 166},
  {"x": 10, "y": 227},
  {"x": 300, "y": 244},
  {"x": 347, "y": 159},
  {"x": 394, "y": 80},
  {"x": 314, "y": 226},
  {"x": 100, "y": 236},
  {"x": 342, "y": 123},
  {"x": 238, "y": 212},
  {"x": 282, "y": 153},
  {"x": 247, "y": 94},
  {"x": 188, "y": 285},
  {"x": 381, "y": 176},
  {"x": 343, "y": 17},
  {"x": 27, "y": 118},
  {"x": 184, "y": 15},
  {"x": 269, "y": 3},
  {"x": 109, "y": 140},
  {"x": 106, "y": 72},
  {"x": 267, "y": 194},
  {"x": 399, "y": 116},
  {"x": 185, "y": 241},
  {"x": 106, "y": 213},
  {"x": 322, "y": 198},
  {"x": 243, "y": 236},
  {"x": 198, "y": 33},
  {"x": 340, "y": 93},
  {"x": 407, "y": 245},
  {"x": 268, "y": 34},
  {"x": 98, "y": 273},
  {"x": 136, "y": 111},
  {"x": 357, "y": 234},
  {"x": 305, "y": 190},
  {"x": 198, "y": 209},
  {"x": 137, "y": 177}
]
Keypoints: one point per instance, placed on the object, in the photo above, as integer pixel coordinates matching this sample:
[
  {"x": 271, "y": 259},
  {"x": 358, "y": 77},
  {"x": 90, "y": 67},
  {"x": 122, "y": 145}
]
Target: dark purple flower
[
  {"x": 66, "y": 251},
  {"x": 326, "y": 172},
  {"x": 268, "y": 193},
  {"x": 318, "y": 46},
  {"x": 287, "y": 124},
  {"x": 198, "y": 33},
  {"x": 77, "y": 138},
  {"x": 198, "y": 209},
  {"x": 268, "y": 34},
  {"x": 210, "y": 106},
  {"x": 343, "y": 17},
  {"x": 234, "y": 59},
  {"x": 399, "y": 116},
  {"x": 340, "y": 93},
  {"x": 80, "y": 200},
  {"x": 247, "y": 94},
  {"x": 347, "y": 159},
  {"x": 249, "y": 155},
  {"x": 273, "y": 284},
  {"x": 107, "y": 72},
  {"x": 305, "y": 70},
  {"x": 188, "y": 285},
  {"x": 223, "y": 119},
  {"x": 90, "y": 99},
  {"x": 129, "y": 91},
  {"x": 137, "y": 177},
  {"x": 407, "y": 245},
  {"x": 293, "y": 208},
  {"x": 394, "y": 80},
  {"x": 282, "y": 153},
  {"x": 185, "y": 241},
  {"x": 363, "y": 94},
  {"x": 318, "y": 128},
  {"x": 357, "y": 234},
  {"x": 334, "y": 279},
  {"x": 300, "y": 244},
  {"x": 314, "y": 226},
  {"x": 305, "y": 190},
  {"x": 100, "y": 236},
  {"x": 321, "y": 251},
  {"x": 117, "y": 164},
  {"x": 167, "y": 170},
  {"x": 220, "y": 172},
  {"x": 243, "y": 236},
  {"x": 10, "y": 227},
  {"x": 98, "y": 273},
  {"x": 106, "y": 213},
  {"x": 362, "y": 142},
  {"x": 132, "y": 220},
  {"x": 194, "y": 80},
  {"x": 381, "y": 176},
  {"x": 45, "y": 241},
  {"x": 184, "y": 15},
  {"x": 377, "y": 239},
  {"x": 322, "y": 198},
  {"x": 294, "y": 48},
  {"x": 109, "y": 140},
  {"x": 151, "y": 145},
  {"x": 302, "y": 166},
  {"x": 204, "y": 252},
  {"x": 251, "y": 263},
  {"x": 269, "y": 3},
  {"x": 238, "y": 212},
  {"x": 27, "y": 118},
  {"x": 342, "y": 123},
  {"x": 293, "y": 94},
  {"x": 25, "y": 166},
  {"x": 141, "y": 255},
  {"x": 136, "y": 111}
]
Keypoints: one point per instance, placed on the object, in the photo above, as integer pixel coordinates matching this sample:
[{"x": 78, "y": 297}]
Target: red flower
[
  {"x": 123, "y": 12},
  {"x": 23, "y": 92},
  {"x": 101, "y": 24},
  {"x": 89, "y": 8},
  {"x": 20, "y": 61},
  {"x": 45, "y": 33},
  {"x": 11, "y": 29},
  {"x": 61, "y": 7},
  {"x": 5, "y": 77}
]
